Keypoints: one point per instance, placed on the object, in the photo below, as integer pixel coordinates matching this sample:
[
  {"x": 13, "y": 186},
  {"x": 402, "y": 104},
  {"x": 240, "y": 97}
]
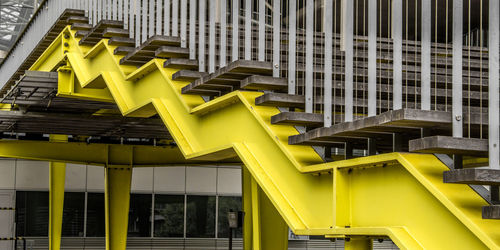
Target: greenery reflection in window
[
  {"x": 200, "y": 216},
  {"x": 227, "y": 203},
  {"x": 169, "y": 216}
]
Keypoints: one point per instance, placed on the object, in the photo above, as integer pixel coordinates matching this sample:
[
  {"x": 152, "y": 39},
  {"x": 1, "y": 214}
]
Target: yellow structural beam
[
  {"x": 397, "y": 195},
  {"x": 99, "y": 154},
  {"x": 117, "y": 203},
  {"x": 264, "y": 228},
  {"x": 358, "y": 243},
  {"x": 57, "y": 176}
]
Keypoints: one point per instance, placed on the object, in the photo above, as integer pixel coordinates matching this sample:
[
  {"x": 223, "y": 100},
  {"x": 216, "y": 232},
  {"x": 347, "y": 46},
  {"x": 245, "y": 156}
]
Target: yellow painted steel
[
  {"x": 117, "y": 202},
  {"x": 359, "y": 243},
  {"x": 57, "y": 176},
  {"x": 99, "y": 154},
  {"x": 397, "y": 195},
  {"x": 264, "y": 228}
]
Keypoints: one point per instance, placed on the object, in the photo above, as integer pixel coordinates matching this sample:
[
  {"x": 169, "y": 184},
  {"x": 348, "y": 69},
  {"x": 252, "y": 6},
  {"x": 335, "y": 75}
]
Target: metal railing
[{"x": 350, "y": 59}]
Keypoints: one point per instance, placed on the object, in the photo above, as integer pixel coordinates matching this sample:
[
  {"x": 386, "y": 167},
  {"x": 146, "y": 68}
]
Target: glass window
[
  {"x": 73, "y": 212},
  {"x": 139, "y": 217},
  {"x": 227, "y": 203},
  {"x": 169, "y": 216},
  {"x": 96, "y": 221},
  {"x": 200, "y": 216},
  {"x": 32, "y": 213}
]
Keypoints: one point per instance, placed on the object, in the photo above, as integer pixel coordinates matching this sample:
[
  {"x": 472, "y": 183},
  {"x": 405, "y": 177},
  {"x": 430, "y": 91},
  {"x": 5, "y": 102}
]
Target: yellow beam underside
[
  {"x": 99, "y": 154},
  {"x": 398, "y": 195}
]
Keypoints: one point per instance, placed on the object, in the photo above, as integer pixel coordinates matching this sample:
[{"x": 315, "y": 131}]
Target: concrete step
[
  {"x": 97, "y": 32},
  {"x": 77, "y": 19},
  {"x": 81, "y": 26},
  {"x": 450, "y": 145},
  {"x": 121, "y": 41},
  {"x": 298, "y": 119},
  {"x": 231, "y": 75},
  {"x": 491, "y": 212},
  {"x": 172, "y": 52},
  {"x": 146, "y": 51},
  {"x": 257, "y": 82},
  {"x": 123, "y": 50},
  {"x": 181, "y": 63},
  {"x": 187, "y": 75},
  {"x": 473, "y": 176},
  {"x": 115, "y": 32}
]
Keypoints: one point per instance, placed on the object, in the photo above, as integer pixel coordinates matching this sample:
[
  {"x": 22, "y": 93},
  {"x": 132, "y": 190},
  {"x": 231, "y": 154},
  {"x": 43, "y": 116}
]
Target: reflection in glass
[
  {"x": 169, "y": 216},
  {"x": 32, "y": 213},
  {"x": 73, "y": 212},
  {"x": 227, "y": 203},
  {"x": 139, "y": 217},
  {"x": 95, "y": 215},
  {"x": 200, "y": 217}
]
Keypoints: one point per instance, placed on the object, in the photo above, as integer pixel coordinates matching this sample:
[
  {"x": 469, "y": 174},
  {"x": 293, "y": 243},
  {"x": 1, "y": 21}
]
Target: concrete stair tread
[
  {"x": 450, "y": 145},
  {"x": 181, "y": 63},
  {"x": 77, "y": 19},
  {"x": 298, "y": 118},
  {"x": 123, "y": 50},
  {"x": 491, "y": 212},
  {"x": 187, "y": 75},
  {"x": 257, "y": 82},
  {"x": 121, "y": 41},
  {"x": 475, "y": 176},
  {"x": 96, "y": 34},
  {"x": 81, "y": 26},
  {"x": 146, "y": 51},
  {"x": 231, "y": 75},
  {"x": 409, "y": 121},
  {"x": 171, "y": 52},
  {"x": 115, "y": 32}
]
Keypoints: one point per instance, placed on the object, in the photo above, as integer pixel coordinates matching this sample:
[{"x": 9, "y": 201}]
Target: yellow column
[
  {"x": 57, "y": 175},
  {"x": 264, "y": 228},
  {"x": 359, "y": 243},
  {"x": 117, "y": 202}
]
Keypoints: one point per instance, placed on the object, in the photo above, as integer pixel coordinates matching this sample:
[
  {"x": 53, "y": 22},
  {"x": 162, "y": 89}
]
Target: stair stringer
[{"x": 233, "y": 125}]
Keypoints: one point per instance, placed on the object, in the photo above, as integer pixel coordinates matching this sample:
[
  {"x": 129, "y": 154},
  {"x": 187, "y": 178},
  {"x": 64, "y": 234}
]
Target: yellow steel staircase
[{"x": 398, "y": 195}]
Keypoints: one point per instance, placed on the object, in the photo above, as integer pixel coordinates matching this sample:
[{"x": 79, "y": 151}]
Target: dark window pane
[
  {"x": 139, "y": 217},
  {"x": 95, "y": 215},
  {"x": 200, "y": 216},
  {"x": 32, "y": 213},
  {"x": 169, "y": 216},
  {"x": 227, "y": 203},
  {"x": 74, "y": 205}
]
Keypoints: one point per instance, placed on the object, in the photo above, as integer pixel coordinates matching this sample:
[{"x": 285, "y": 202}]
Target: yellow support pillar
[
  {"x": 359, "y": 243},
  {"x": 57, "y": 175},
  {"x": 264, "y": 228},
  {"x": 117, "y": 202}
]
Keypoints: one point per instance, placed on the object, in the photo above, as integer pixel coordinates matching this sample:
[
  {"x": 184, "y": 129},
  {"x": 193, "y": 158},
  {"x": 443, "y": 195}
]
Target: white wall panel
[
  {"x": 95, "y": 179},
  {"x": 76, "y": 177},
  {"x": 170, "y": 179},
  {"x": 7, "y": 199},
  {"x": 7, "y": 174},
  {"x": 32, "y": 175},
  {"x": 142, "y": 180},
  {"x": 201, "y": 180},
  {"x": 229, "y": 181}
]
